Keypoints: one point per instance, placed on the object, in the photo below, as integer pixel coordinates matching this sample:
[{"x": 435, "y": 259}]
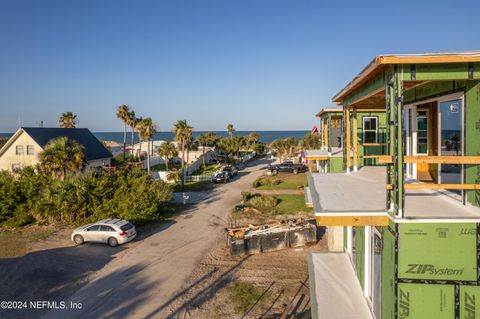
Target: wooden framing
[
  {"x": 317, "y": 157},
  {"x": 347, "y": 220},
  {"x": 439, "y": 186},
  {"x": 355, "y": 140},
  {"x": 347, "y": 138},
  {"x": 424, "y": 159}
]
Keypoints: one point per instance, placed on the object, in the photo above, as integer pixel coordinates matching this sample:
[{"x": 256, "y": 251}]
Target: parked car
[
  {"x": 231, "y": 170},
  {"x": 109, "y": 231},
  {"x": 287, "y": 167},
  {"x": 222, "y": 177}
]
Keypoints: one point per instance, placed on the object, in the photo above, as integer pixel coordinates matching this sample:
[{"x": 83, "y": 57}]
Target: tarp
[{"x": 334, "y": 288}]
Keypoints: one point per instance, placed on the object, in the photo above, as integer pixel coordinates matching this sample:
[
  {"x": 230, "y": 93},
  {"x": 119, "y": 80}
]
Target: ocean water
[{"x": 265, "y": 136}]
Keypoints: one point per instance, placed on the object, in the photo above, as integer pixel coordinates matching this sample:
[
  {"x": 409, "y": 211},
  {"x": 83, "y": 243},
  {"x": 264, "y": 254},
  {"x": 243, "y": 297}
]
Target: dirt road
[{"x": 143, "y": 279}]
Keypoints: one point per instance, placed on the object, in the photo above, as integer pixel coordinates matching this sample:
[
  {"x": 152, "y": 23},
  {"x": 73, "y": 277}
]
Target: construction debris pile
[{"x": 254, "y": 239}]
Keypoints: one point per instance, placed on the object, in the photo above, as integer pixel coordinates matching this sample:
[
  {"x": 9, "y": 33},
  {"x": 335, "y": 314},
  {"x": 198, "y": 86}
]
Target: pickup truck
[{"x": 287, "y": 167}]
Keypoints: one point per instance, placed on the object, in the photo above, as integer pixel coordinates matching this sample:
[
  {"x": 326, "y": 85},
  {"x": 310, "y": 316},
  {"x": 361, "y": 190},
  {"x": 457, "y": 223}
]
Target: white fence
[{"x": 194, "y": 166}]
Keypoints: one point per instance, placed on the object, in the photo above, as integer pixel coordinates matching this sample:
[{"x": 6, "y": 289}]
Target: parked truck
[{"x": 287, "y": 167}]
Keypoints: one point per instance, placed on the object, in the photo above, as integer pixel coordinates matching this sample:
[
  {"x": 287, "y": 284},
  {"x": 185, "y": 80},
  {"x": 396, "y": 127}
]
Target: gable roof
[{"x": 94, "y": 149}]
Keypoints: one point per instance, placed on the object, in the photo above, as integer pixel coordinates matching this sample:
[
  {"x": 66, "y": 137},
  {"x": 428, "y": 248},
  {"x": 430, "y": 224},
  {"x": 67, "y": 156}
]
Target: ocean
[{"x": 265, "y": 136}]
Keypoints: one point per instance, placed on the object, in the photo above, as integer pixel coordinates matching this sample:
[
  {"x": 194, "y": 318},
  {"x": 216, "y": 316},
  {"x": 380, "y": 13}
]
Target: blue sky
[{"x": 259, "y": 64}]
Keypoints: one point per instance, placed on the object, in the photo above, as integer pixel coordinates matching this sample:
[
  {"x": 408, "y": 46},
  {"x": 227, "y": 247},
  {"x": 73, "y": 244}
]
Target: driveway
[{"x": 143, "y": 279}]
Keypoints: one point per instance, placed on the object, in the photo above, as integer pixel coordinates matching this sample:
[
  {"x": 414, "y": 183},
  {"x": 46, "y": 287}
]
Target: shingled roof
[{"x": 94, "y": 149}]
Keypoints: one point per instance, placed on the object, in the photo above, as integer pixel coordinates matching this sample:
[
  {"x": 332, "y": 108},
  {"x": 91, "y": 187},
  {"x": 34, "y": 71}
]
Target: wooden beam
[
  {"x": 423, "y": 159},
  {"x": 347, "y": 137},
  {"x": 428, "y": 59},
  {"x": 371, "y": 156},
  {"x": 317, "y": 157},
  {"x": 355, "y": 140},
  {"x": 373, "y": 144},
  {"x": 438, "y": 186},
  {"x": 359, "y": 220}
]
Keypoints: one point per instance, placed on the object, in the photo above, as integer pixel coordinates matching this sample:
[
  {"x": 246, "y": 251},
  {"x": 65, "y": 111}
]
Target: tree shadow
[
  {"x": 48, "y": 274},
  {"x": 203, "y": 295}
]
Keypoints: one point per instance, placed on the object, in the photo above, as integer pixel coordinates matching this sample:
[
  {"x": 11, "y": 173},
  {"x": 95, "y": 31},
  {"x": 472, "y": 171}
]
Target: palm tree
[
  {"x": 284, "y": 147},
  {"x": 310, "y": 141},
  {"x": 146, "y": 130},
  {"x": 132, "y": 122},
  {"x": 174, "y": 175},
  {"x": 62, "y": 156},
  {"x": 123, "y": 114},
  {"x": 230, "y": 130},
  {"x": 253, "y": 139},
  {"x": 68, "y": 120},
  {"x": 208, "y": 139},
  {"x": 183, "y": 134},
  {"x": 167, "y": 150}
]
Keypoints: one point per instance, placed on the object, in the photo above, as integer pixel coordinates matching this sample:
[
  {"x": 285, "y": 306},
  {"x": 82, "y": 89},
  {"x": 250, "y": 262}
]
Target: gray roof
[{"x": 94, "y": 149}]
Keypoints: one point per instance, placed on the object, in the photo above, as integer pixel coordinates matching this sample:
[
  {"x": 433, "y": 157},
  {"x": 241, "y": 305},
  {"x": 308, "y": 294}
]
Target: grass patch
[
  {"x": 290, "y": 204},
  {"x": 209, "y": 169},
  {"x": 14, "y": 241},
  {"x": 244, "y": 295},
  {"x": 287, "y": 181},
  {"x": 193, "y": 186}
]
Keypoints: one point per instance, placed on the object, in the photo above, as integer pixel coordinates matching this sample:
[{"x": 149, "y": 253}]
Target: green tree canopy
[
  {"x": 62, "y": 156},
  {"x": 68, "y": 120}
]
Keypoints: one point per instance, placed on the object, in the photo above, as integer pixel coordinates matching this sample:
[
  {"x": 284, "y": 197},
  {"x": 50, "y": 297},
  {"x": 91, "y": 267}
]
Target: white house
[{"x": 23, "y": 147}]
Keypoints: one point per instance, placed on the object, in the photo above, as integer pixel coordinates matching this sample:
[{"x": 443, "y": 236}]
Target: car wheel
[
  {"x": 78, "y": 239},
  {"x": 112, "y": 242}
]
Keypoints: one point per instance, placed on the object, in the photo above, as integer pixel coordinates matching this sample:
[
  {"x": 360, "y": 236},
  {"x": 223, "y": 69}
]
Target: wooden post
[
  {"x": 355, "y": 140},
  {"x": 347, "y": 138}
]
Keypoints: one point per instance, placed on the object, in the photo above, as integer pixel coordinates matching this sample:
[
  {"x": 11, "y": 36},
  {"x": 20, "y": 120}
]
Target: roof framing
[{"x": 413, "y": 67}]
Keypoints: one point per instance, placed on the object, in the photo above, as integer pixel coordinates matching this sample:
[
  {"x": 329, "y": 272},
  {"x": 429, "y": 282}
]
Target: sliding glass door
[{"x": 451, "y": 139}]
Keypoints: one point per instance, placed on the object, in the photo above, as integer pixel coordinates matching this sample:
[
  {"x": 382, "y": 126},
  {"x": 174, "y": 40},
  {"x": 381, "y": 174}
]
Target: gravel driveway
[{"x": 142, "y": 279}]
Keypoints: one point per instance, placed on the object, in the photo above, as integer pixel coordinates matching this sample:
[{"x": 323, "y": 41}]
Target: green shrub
[
  {"x": 243, "y": 295},
  {"x": 257, "y": 183},
  {"x": 266, "y": 181},
  {"x": 263, "y": 203},
  {"x": 125, "y": 194}
]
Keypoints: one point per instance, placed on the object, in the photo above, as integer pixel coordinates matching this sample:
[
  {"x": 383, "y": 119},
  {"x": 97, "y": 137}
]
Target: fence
[{"x": 198, "y": 178}]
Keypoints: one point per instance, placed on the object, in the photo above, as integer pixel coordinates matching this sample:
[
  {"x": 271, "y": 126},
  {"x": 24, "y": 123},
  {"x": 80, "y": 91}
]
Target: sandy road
[{"x": 143, "y": 279}]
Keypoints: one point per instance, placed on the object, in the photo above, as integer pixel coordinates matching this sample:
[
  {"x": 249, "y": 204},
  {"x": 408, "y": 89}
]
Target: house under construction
[{"x": 404, "y": 234}]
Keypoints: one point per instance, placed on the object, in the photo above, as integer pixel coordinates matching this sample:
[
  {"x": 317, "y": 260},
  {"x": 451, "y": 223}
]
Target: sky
[{"x": 258, "y": 64}]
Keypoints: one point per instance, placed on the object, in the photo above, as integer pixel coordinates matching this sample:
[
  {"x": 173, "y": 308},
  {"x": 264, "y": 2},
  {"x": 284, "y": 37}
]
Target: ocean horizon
[{"x": 265, "y": 136}]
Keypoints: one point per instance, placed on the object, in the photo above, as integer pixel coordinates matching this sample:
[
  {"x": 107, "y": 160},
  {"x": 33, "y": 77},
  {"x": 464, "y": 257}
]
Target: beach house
[
  {"x": 23, "y": 147},
  {"x": 367, "y": 130},
  {"x": 405, "y": 235}
]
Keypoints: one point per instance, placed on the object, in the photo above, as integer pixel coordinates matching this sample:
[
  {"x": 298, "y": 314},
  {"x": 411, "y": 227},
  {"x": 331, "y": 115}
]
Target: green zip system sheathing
[
  {"x": 472, "y": 137},
  {"x": 388, "y": 272},
  {"x": 381, "y": 136},
  {"x": 469, "y": 298},
  {"x": 438, "y": 252},
  {"x": 426, "y": 301},
  {"x": 359, "y": 253},
  {"x": 428, "y": 270},
  {"x": 335, "y": 164}
]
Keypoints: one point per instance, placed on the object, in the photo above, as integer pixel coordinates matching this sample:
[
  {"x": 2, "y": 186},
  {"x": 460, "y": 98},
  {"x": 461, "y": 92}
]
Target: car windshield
[{"x": 126, "y": 227}]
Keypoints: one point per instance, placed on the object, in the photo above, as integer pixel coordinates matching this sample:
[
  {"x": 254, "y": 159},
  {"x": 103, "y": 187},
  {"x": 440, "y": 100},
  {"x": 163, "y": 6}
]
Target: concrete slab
[
  {"x": 335, "y": 291},
  {"x": 361, "y": 191},
  {"x": 364, "y": 191}
]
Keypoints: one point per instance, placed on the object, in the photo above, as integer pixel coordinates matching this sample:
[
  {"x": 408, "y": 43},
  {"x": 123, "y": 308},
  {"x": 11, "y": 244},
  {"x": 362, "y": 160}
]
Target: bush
[
  {"x": 125, "y": 194},
  {"x": 243, "y": 295},
  {"x": 264, "y": 203},
  {"x": 266, "y": 181}
]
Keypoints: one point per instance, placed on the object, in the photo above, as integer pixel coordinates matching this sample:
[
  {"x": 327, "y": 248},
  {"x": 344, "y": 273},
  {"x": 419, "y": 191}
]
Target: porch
[{"x": 359, "y": 199}]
